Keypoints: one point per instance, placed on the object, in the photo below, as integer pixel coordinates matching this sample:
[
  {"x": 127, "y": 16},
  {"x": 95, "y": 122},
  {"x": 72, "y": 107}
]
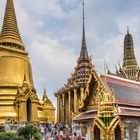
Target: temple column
[
  {"x": 23, "y": 111},
  {"x": 138, "y": 131},
  {"x": 34, "y": 111},
  {"x": 58, "y": 108},
  {"x": 69, "y": 106},
  {"x": 63, "y": 108},
  {"x": 102, "y": 136},
  {"x": 75, "y": 101},
  {"x": 131, "y": 132},
  {"x": 81, "y": 93},
  {"x": 88, "y": 132},
  {"x": 127, "y": 132}
]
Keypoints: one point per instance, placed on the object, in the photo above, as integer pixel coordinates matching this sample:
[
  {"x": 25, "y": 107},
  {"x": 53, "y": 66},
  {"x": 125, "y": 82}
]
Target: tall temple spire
[
  {"x": 129, "y": 55},
  {"x": 44, "y": 94},
  {"x": 10, "y": 34},
  {"x": 129, "y": 69},
  {"x": 84, "y": 53}
]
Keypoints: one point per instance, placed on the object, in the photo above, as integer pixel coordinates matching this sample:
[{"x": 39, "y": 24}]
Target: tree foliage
[
  {"x": 2, "y": 128},
  {"x": 10, "y": 136},
  {"x": 29, "y": 132}
]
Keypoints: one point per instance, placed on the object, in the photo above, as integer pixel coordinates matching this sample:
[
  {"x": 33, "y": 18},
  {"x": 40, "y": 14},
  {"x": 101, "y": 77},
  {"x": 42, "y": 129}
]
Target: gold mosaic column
[
  {"x": 69, "y": 102},
  {"x": 63, "y": 107},
  {"x": 58, "y": 108},
  {"x": 34, "y": 111},
  {"x": 81, "y": 93},
  {"x": 75, "y": 100},
  {"x": 23, "y": 111}
]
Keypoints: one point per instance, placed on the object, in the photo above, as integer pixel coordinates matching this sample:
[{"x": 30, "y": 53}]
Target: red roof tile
[{"x": 85, "y": 116}]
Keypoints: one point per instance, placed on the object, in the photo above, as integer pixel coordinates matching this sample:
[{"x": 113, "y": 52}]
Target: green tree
[
  {"x": 2, "y": 128},
  {"x": 30, "y": 131},
  {"x": 10, "y": 136}
]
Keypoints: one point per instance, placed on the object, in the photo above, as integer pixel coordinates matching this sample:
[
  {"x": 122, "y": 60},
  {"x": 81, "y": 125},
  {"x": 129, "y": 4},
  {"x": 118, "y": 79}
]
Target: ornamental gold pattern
[
  {"x": 18, "y": 96},
  {"x": 87, "y": 101},
  {"x": 107, "y": 118}
]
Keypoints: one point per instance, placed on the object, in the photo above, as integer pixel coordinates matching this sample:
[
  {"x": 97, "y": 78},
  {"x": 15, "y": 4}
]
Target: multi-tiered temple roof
[{"x": 84, "y": 65}]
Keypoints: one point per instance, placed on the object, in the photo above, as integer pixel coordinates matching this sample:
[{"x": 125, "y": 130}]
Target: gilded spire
[
  {"x": 84, "y": 53},
  {"x": 129, "y": 69},
  {"x": 45, "y": 94},
  {"x": 129, "y": 55},
  {"x": 10, "y": 34}
]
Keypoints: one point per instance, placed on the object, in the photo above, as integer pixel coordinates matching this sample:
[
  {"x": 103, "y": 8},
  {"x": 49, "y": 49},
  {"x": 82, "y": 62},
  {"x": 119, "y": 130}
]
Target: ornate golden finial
[
  {"x": 45, "y": 95},
  {"x": 10, "y": 34}
]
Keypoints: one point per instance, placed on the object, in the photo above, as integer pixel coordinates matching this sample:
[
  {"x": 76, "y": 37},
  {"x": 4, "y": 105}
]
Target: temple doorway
[
  {"x": 118, "y": 133},
  {"x": 29, "y": 110},
  {"x": 96, "y": 133}
]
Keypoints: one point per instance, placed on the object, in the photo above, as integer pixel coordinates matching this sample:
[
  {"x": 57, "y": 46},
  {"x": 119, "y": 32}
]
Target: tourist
[
  {"x": 75, "y": 136},
  {"x": 42, "y": 130},
  {"x": 79, "y": 137}
]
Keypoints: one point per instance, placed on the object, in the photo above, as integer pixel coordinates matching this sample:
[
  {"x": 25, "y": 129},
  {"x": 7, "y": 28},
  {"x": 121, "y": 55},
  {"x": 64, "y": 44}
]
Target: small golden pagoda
[
  {"x": 47, "y": 106},
  {"x": 18, "y": 97}
]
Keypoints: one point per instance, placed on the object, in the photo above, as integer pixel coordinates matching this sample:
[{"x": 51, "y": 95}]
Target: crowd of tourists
[
  {"x": 50, "y": 131},
  {"x": 58, "y": 131}
]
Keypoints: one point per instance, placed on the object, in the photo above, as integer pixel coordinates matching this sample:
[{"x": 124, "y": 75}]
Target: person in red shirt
[{"x": 79, "y": 137}]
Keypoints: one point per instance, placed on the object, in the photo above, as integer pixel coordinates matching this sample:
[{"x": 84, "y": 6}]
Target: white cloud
[{"x": 53, "y": 36}]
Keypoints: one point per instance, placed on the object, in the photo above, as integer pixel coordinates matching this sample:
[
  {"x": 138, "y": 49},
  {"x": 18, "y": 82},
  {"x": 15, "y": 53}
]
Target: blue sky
[{"x": 51, "y": 31}]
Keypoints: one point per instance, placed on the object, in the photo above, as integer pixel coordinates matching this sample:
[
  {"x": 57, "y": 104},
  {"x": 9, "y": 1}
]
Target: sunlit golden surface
[{"x": 18, "y": 97}]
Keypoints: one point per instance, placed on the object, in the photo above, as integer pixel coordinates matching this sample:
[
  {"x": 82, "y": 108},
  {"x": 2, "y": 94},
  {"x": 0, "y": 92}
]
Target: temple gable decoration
[
  {"x": 93, "y": 91},
  {"x": 107, "y": 119},
  {"x": 26, "y": 101}
]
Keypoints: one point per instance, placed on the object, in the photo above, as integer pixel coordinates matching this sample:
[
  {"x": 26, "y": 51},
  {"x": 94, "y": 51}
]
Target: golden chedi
[
  {"x": 18, "y": 98},
  {"x": 46, "y": 106}
]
